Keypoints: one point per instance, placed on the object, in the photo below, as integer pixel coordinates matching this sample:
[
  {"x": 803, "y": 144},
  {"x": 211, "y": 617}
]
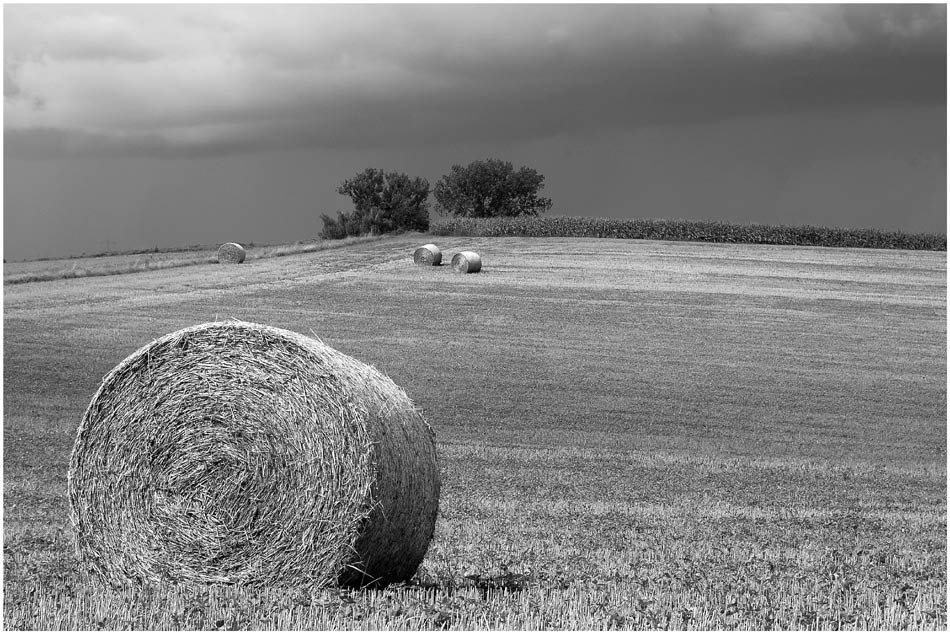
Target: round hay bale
[
  {"x": 233, "y": 452},
  {"x": 467, "y": 262},
  {"x": 231, "y": 253},
  {"x": 427, "y": 254}
]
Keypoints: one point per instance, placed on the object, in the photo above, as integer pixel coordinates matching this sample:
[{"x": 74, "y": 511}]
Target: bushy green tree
[
  {"x": 490, "y": 188},
  {"x": 383, "y": 202}
]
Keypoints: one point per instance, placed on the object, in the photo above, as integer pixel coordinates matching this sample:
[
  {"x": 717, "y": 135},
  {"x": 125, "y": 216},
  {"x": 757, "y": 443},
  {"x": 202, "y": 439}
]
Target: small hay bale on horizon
[
  {"x": 232, "y": 452},
  {"x": 231, "y": 253},
  {"x": 467, "y": 262},
  {"x": 427, "y": 254}
]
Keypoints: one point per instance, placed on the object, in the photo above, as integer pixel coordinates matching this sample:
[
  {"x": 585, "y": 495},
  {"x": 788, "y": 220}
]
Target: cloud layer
[{"x": 181, "y": 80}]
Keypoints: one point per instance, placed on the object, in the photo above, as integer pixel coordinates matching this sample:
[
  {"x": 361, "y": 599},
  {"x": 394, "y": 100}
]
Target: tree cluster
[
  {"x": 382, "y": 202},
  {"x": 391, "y": 201},
  {"x": 490, "y": 188}
]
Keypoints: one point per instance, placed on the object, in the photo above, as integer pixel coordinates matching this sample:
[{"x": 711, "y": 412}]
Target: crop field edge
[{"x": 687, "y": 231}]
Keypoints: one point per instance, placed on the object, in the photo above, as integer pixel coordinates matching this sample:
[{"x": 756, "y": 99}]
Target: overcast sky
[{"x": 129, "y": 126}]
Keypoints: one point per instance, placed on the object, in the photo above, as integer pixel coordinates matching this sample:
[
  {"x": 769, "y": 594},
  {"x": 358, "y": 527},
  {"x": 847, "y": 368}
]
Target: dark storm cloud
[
  {"x": 220, "y": 79},
  {"x": 10, "y": 87}
]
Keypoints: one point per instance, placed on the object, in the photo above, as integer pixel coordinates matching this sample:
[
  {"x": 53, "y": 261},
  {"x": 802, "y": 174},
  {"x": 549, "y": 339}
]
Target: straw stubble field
[{"x": 631, "y": 434}]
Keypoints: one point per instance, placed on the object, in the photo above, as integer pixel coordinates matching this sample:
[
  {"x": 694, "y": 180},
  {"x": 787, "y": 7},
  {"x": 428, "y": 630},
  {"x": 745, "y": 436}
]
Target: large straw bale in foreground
[
  {"x": 231, "y": 253},
  {"x": 467, "y": 262},
  {"x": 239, "y": 453},
  {"x": 428, "y": 254}
]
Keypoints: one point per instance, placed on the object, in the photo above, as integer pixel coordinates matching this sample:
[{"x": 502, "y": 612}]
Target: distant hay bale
[
  {"x": 467, "y": 262},
  {"x": 232, "y": 452},
  {"x": 231, "y": 253},
  {"x": 428, "y": 254}
]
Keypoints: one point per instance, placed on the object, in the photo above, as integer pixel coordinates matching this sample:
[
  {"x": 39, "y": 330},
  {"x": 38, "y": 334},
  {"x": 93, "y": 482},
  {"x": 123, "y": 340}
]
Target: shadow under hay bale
[
  {"x": 233, "y": 452},
  {"x": 467, "y": 262},
  {"x": 427, "y": 254},
  {"x": 231, "y": 253}
]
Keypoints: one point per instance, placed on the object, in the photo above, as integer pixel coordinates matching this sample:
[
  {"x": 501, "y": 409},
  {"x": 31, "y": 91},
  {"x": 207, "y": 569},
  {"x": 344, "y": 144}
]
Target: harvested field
[{"x": 676, "y": 435}]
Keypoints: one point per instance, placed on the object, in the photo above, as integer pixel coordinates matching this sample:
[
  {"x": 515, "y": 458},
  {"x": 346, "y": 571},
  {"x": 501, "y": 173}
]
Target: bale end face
[
  {"x": 427, "y": 254},
  {"x": 467, "y": 262},
  {"x": 233, "y": 452},
  {"x": 231, "y": 253}
]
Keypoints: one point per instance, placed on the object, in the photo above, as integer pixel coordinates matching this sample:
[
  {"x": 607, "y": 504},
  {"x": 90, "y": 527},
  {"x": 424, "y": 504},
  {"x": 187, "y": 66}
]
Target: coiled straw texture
[
  {"x": 467, "y": 262},
  {"x": 231, "y": 253},
  {"x": 233, "y": 452},
  {"x": 428, "y": 254}
]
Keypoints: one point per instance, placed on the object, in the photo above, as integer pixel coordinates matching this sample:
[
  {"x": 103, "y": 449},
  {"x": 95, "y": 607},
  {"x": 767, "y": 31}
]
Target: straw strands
[
  {"x": 467, "y": 262},
  {"x": 231, "y": 253},
  {"x": 427, "y": 254},
  {"x": 234, "y": 452}
]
